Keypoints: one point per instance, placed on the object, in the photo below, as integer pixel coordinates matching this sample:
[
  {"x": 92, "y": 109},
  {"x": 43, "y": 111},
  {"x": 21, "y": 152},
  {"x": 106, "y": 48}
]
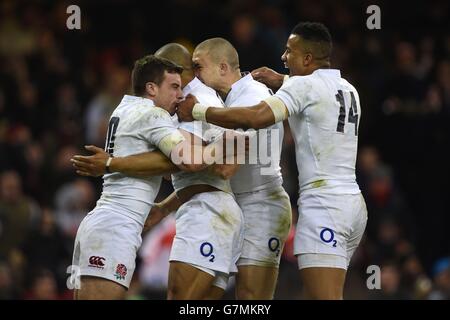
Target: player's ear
[
  {"x": 151, "y": 88},
  {"x": 307, "y": 59},
  {"x": 223, "y": 68}
]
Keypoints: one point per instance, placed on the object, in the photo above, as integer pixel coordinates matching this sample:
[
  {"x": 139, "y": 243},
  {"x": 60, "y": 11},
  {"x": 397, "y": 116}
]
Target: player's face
[
  {"x": 293, "y": 56},
  {"x": 169, "y": 93},
  {"x": 205, "y": 69}
]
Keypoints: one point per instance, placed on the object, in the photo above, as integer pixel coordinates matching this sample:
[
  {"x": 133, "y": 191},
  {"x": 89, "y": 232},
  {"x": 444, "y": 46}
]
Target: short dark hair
[
  {"x": 315, "y": 32},
  {"x": 151, "y": 69}
]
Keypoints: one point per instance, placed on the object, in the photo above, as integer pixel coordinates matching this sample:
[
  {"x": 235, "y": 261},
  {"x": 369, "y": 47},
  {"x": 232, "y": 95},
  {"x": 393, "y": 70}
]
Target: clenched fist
[{"x": 184, "y": 110}]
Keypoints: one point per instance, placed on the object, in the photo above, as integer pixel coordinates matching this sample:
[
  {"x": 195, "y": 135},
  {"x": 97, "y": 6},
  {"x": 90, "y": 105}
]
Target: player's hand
[
  {"x": 269, "y": 77},
  {"x": 184, "y": 110},
  {"x": 91, "y": 166},
  {"x": 157, "y": 213}
]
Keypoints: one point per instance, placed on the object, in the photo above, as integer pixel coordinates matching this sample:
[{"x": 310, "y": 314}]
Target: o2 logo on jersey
[
  {"x": 206, "y": 249},
  {"x": 327, "y": 236},
  {"x": 274, "y": 245}
]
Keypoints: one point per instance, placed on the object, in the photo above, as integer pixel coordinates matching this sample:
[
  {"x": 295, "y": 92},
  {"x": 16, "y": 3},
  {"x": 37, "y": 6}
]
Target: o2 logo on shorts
[
  {"x": 327, "y": 236},
  {"x": 206, "y": 249},
  {"x": 274, "y": 245}
]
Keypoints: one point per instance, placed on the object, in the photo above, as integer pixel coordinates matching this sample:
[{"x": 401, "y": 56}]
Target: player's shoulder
[
  {"x": 257, "y": 88},
  {"x": 310, "y": 78},
  {"x": 314, "y": 84},
  {"x": 156, "y": 113},
  {"x": 206, "y": 95},
  {"x": 301, "y": 84},
  {"x": 306, "y": 81},
  {"x": 138, "y": 105},
  {"x": 143, "y": 108},
  {"x": 346, "y": 84},
  {"x": 203, "y": 89},
  {"x": 247, "y": 91},
  {"x": 146, "y": 112}
]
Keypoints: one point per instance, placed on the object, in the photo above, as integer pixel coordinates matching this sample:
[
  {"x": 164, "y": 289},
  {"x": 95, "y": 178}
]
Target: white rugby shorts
[
  {"x": 106, "y": 245},
  {"x": 267, "y": 221},
  {"x": 329, "y": 229},
  {"x": 209, "y": 231}
]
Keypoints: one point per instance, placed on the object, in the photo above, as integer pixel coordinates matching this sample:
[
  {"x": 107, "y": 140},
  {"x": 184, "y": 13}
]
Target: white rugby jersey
[
  {"x": 247, "y": 92},
  {"x": 135, "y": 126},
  {"x": 324, "y": 114},
  {"x": 207, "y": 132}
]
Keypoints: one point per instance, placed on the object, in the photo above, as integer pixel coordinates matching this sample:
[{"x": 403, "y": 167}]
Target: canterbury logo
[{"x": 95, "y": 261}]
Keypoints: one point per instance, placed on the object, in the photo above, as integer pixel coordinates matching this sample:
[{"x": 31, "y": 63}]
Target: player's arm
[
  {"x": 257, "y": 117},
  {"x": 224, "y": 171},
  {"x": 161, "y": 210},
  {"x": 179, "y": 146},
  {"x": 176, "y": 147},
  {"x": 147, "y": 164},
  {"x": 139, "y": 165},
  {"x": 262, "y": 115}
]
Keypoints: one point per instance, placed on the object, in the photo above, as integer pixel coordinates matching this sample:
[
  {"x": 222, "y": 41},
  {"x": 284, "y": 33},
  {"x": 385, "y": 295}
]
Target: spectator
[
  {"x": 441, "y": 277},
  {"x": 390, "y": 284},
  {"x": 47, "y": 248},
  {"x": 17, "y": 213}
]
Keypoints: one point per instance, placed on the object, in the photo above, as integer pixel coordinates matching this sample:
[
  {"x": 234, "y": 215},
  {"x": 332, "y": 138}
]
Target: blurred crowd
[{"x": 59, "y": 86}]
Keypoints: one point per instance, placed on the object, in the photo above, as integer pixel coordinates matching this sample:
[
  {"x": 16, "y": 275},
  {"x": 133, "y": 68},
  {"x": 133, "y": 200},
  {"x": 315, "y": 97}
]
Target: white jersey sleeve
[
  {"x": 297, "y": 94},
  {"x": 159, "y": 125}
]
